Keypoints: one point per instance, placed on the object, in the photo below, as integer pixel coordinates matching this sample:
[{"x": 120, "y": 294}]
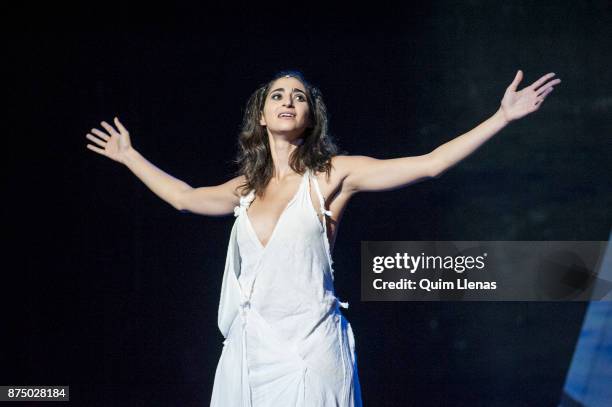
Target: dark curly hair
[{"x": 254, "y": 157}]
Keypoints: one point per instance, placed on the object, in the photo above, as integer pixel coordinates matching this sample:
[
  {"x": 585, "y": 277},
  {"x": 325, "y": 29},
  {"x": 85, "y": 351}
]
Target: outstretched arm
[
  {"x": 370, "y": 174},
  {"x": 214, "y": 200}
]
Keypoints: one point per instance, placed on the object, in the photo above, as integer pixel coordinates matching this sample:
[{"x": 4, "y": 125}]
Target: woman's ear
[{"x": 262, "y": 120}]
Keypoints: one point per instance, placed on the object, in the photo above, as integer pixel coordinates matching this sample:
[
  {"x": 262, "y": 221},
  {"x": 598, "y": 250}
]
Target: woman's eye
[{"x": 275, "y": 96}]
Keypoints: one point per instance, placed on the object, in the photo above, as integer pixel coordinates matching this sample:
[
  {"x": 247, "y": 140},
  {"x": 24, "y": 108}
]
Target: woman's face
[{"x": 286, "y": 108}]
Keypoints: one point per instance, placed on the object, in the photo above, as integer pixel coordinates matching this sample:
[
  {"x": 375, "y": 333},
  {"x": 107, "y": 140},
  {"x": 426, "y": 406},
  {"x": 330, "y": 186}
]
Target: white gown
[{"x": 286, "y": 341}]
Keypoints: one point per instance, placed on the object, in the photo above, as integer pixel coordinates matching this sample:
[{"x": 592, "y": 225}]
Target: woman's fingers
[
  {"x": 543, "y": 96},
  {"x": 96, "y": 149},
  {"x": 103, "y": 135},
  {"x": 546, "y": 92},
  {"x": 120, "y": 126},
  {"x": 542, "y": 80},
  {"x": 109, "y": 128},
  {"x": 96, "y": 140},
  {"x": 549, "y": 85}
]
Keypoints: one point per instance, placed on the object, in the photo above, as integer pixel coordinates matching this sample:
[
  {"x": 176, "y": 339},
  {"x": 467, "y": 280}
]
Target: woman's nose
[{"x": 289, "y": 101}]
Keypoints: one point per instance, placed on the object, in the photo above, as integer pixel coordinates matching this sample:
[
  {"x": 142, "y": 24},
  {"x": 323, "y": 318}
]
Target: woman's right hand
[{"x": 115, "y": 146}]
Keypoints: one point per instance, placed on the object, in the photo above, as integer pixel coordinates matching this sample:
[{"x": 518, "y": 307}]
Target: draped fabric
[{"x": 286, "y": 341}]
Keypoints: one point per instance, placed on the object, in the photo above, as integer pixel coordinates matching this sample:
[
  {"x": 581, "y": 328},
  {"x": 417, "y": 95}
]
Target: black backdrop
[{"x": 113, "y": 292}]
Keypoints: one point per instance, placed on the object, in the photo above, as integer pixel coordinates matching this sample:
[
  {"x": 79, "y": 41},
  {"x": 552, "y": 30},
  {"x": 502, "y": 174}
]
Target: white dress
[{"x": 286, "y": 341}]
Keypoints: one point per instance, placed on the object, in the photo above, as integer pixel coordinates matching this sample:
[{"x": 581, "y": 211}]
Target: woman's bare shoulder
[
  {"x": 345, "y": 166},
  {"x": 234, "y": 185},
  {"x": 342, "y": 165}
]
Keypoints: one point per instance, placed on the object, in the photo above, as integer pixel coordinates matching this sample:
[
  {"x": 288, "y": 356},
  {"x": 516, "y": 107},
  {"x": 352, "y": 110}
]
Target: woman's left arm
[{"x": 370, "y": 174}]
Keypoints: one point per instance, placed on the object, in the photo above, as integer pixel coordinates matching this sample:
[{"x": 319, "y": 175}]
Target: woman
[{"x": 286, "y": 341}]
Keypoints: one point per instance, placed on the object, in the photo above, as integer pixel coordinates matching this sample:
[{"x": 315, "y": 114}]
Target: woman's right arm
[
  {"x": 213, "y": 200},
  {"x": 217, "y": 200}
]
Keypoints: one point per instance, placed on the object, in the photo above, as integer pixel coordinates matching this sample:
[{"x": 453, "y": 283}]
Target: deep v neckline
[{"x": 278, "y": 221}]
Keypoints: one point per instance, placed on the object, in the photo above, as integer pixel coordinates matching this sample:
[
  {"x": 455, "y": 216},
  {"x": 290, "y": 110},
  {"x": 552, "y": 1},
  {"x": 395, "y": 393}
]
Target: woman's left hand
[{"x": 515, "y": 104}]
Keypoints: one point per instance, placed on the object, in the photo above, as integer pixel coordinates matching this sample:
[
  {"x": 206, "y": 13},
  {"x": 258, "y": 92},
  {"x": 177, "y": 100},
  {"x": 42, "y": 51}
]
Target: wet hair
[{"x": 254, "y": 157}]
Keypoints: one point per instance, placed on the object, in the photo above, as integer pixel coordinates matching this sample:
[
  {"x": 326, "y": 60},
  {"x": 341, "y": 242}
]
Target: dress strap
[
  {"x": 245, "y": 201},
  {"x": 320, "y": 195},
  {"x": 324, "y": 212}
]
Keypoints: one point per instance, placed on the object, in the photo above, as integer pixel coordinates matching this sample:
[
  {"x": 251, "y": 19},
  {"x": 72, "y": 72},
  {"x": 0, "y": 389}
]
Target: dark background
[{"x": 113, "y": 292}]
